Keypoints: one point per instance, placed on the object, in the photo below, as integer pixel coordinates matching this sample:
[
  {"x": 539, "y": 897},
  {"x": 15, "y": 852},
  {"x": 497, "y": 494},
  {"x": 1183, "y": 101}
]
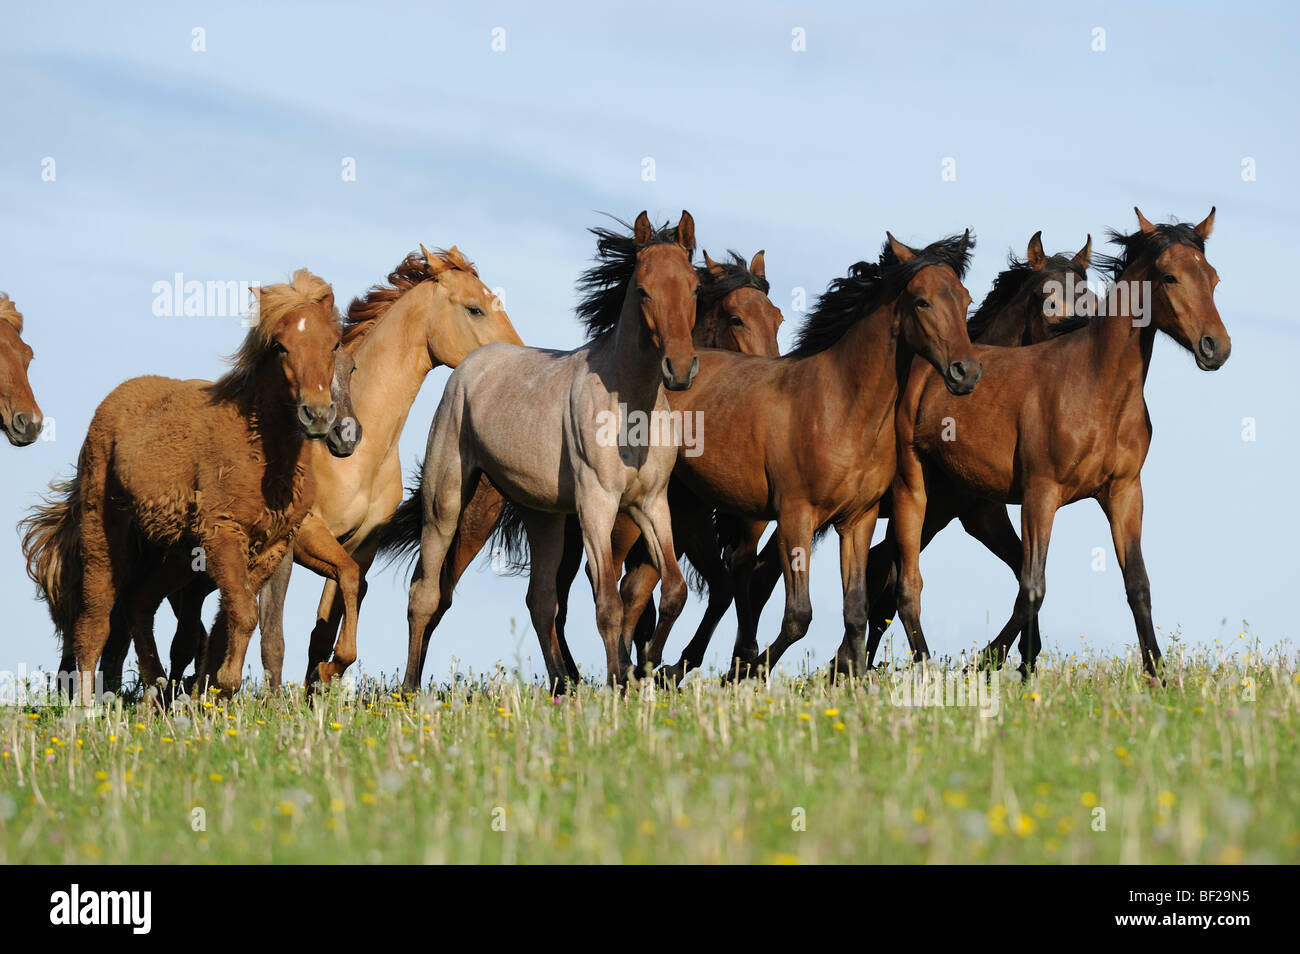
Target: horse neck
[
  {"x": 392, "y": 362},
  {"x": 1007, "y": 329},
  {"x": 634, "y": 359},
  {"x": 869, "y": 364},
  {"x": 1121, "y": 349}
]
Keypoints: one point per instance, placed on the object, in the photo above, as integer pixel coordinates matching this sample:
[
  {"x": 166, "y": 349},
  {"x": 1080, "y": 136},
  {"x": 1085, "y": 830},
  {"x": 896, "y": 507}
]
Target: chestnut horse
[
  {"x": 433, "y": 312},
  {"x": 171, "y": 574},
  {"x": 1062, "y": 421},
  {"x": 223, "y": 468},
  {"x": 586, "y": 431},
  {"x": 732, "y": 312},
  {"x": 20, "y": 416}
]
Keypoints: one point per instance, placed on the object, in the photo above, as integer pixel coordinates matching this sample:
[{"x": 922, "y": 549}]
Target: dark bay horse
[
  {"x": 807, "y": 439},
  {"x": 732, "y": 312},
  {"x": 1060, "y": 421},
  {"x": 220, "y": 467},
  {"x": 20, "y": 416},
  {"x": 586, "y": 431}
]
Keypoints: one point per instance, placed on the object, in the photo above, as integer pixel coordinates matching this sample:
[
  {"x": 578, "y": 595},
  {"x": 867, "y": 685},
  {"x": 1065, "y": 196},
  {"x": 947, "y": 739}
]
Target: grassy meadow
[{"x": 1085, "y": 763}]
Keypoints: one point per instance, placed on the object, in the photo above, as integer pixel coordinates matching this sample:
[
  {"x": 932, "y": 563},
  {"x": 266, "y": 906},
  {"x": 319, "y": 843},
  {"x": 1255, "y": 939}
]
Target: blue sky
[{"x": 225, "y": 165}]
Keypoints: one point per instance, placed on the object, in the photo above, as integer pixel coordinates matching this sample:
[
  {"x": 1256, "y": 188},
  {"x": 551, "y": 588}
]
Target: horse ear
[
  {"x": 1143, "y": 224},
  {"x": 328, "y": 301},
  {"x": 1035, "y": 256},
  {"x": 432, "y": 263},
  {"x": 1084, "y": 256},
  {"x": 642, "y": 231},
  {"x": 1207, "y": 226},
  {"x": 714, "y": 268},
  {"x": 757, "y": 268},
  {"x": 901, "y": 251},
  {"x": 686, "y": 232}
]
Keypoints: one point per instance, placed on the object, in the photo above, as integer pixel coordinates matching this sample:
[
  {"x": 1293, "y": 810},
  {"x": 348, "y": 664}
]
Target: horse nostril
[
  {"x": 666, "y": 366},
  {"x": 957, "y": 371},
  {"x": 695, "y": 367},
  {"x": 1208, "y": 347},
  {"x": 20, "y": 422}
]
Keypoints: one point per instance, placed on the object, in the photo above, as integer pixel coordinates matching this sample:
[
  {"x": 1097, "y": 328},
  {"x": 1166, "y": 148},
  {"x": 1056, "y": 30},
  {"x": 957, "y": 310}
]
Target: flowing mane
[
  {"x": 273, "y": 303},
  {"x": 604, "y": 284},
  {"x": 1011, "y": 282},
  {"x": 1135, "y": 246},
  {"x": 734, "y": 274},
  {"x": 868, "y": 286},
  {"x": 9, "y": 312},
  {"x": 366, "y": 310}
]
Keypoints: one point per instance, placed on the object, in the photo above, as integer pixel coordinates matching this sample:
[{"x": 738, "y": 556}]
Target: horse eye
[
  {"x": 922, "y": 303},
  {"x": 279, "y": 348},
  {"x": 475, "y": 310},
  {"x": 1171, "y": 280},
  {"x": 736, "y": 321}
]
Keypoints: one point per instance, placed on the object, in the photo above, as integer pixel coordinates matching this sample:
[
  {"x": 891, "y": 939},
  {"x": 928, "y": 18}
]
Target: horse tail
[
  {"x": 508, "y": 541},
  {"x": 399, "y": 538},
  {"x": 51, "y": 535}
]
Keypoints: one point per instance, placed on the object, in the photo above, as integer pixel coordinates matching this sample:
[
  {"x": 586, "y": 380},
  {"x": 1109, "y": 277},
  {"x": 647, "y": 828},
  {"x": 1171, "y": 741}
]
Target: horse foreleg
[
  {"x": 656, "y": 523},
  {"x": 855, "y": 544},
  {"x": 702, "y": 550},
  {"x": 270, "y": 622},
  {"x": 228, "y": 563},
  {"x": 1036, "y": 516},
  {"x": 315, "y": 547},
  {"x": 909, "y": 501},
  {"x": 794, "y": 533},
  {"x": 545, "y": 549},
  {"x": 1122, "y": 503},
  {"x": 597, "y": 511}
]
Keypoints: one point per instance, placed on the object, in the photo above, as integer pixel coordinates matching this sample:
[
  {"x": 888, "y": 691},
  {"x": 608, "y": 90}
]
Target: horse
[
  {"x": 558, "y": 432},
  {"x": 732, "y": 312},
  {"x": 433, "y": 311},
  {"x": 771, "y": 450},
  {"x": 152, "y": 568},
  {"x": 222, "y": 467},
  {"x": 20, "y": 415},
  {"x": 1061, "y": 421},
  {"x": 1034, "y": 299}
]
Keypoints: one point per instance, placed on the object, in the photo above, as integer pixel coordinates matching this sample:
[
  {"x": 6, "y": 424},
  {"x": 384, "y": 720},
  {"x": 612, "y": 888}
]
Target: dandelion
[
  {"x": 1088, "y": 800},
  {"x": 215, "y": 777}
]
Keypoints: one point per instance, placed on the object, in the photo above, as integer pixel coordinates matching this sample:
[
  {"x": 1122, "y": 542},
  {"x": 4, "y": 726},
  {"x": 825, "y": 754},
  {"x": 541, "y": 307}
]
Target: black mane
[
  {"x": 735, "y": 274},
  {"x": 603, "y": 286},
  {"x": 1139, "y": 244},
  {"x": 869, "y": 285},
  {"x": 1010, "y": 283}
]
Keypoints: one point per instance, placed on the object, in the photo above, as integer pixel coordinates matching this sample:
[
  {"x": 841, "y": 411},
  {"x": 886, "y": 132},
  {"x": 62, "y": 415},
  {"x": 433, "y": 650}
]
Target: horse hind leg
[{"x": 105, "y": 541}]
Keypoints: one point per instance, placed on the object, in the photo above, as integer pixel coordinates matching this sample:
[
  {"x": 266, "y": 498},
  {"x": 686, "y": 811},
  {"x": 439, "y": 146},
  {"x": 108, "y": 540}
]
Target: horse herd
[{"x": 891, "y": 404}]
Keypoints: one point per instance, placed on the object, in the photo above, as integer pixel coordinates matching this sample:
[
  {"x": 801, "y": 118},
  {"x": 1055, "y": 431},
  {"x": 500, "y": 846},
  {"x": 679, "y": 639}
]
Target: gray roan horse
[{"x": 566, "y": 432}]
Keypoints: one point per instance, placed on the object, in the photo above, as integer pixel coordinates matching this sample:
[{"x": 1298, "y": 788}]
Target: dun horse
[
  {"x": 1062, "y": 421},
  {"x": 557, "y": 433},
  {"x": 223, "y": 468},
  {"x": 20, "y": 416}
]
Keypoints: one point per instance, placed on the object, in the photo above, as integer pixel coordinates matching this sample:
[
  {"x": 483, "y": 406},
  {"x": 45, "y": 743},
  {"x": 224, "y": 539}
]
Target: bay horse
[
  {"x": 1034, "y": 299},
  {"x": 20, "y": 415},
  {"x": 223, "y": 468},
  {"x": 732, "y": 312},
  {"x": 807, "y": 438},
  {"x": 433, "y": 311},
  {"x": 559, "y": 433},
  {"x": 1060, "y": 421},
  {"x": 170, "y": 573}
]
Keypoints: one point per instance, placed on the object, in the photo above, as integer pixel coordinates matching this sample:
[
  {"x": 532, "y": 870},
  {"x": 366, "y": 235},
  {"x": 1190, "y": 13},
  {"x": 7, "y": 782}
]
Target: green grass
[{"x": 1202, "y": 769}]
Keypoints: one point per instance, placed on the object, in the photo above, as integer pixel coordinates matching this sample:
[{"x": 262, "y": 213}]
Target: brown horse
[
  {"x": 20, "y": 416},
  {"x": 807, "y": 439},
  {"x": 1034, "y": 299},
  {"x": 222, "y": 468},
  {"x": 1062, "y": 421},
  {"x": 733, "y": 312},
  {"x": 586, "y": 431},
  {"x": 172, "y": 574}
]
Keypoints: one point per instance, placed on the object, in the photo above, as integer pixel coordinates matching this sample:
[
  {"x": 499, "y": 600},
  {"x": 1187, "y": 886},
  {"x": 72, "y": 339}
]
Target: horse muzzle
[
  {"x": 344, "y": 437},
  {"x": 316, "y": 420},
  {"x": 1211, "y": 353},
  {"x": 22, "y": 428},
  {"x": 673, "y": 379},
  {"x": 962, "y": 376}
]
